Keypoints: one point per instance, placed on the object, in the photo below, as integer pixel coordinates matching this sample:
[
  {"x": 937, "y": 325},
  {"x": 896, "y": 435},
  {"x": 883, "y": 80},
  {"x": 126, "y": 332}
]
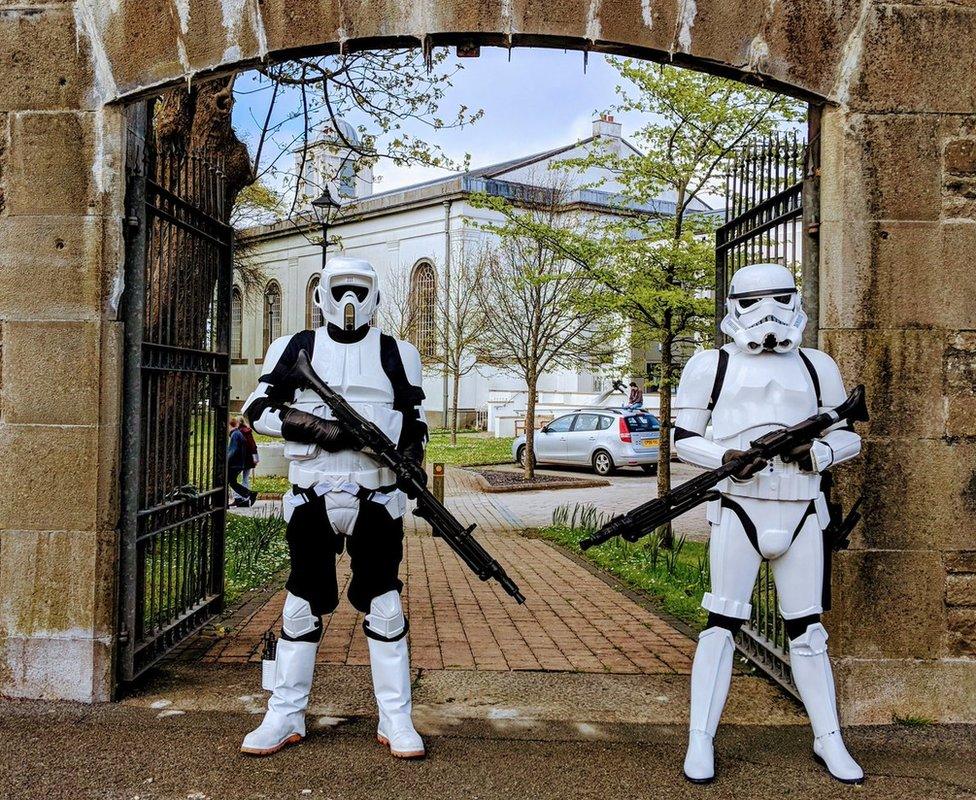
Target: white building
[{"x": 409, "y": 234}]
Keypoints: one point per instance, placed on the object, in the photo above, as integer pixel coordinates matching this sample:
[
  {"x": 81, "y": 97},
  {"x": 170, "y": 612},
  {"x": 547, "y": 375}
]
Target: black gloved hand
[
  {"x": 412, "y": 469},
  {"x": 801, "y": 455},
  {"x": 300, "y": 426},
  {"x": 746, "y": 471}
]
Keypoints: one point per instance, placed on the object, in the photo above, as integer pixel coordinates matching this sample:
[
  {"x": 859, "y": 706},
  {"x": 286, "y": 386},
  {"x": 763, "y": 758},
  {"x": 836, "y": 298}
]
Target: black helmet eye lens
[
  {"x": 339, "y": 290},
  {"x": 748, "y": 302},
  {"x": 784, "y": 299}
]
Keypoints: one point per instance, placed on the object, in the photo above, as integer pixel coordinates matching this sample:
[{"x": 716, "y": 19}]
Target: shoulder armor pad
[{"x": 698, "y": 380}]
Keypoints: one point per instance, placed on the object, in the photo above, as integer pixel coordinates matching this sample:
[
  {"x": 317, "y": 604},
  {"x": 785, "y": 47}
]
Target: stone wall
[{"x": 898, "y": 303}]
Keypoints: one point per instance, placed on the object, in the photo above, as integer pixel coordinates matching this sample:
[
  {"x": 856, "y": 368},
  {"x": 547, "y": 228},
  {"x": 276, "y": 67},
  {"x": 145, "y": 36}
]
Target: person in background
[
  {"x": 237, "y": 460},
  {"x": 635, "y": 399},
  {"x": 252, "y": 452}
]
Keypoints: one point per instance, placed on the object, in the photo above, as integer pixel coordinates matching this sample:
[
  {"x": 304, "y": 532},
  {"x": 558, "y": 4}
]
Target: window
[
  {"x": 236, "y": 324},
  {"x": 604, "y": 423},
  {"x": 643, "y": 422},
  {"x": 347, "y": 178},
  {"x": 422, "y": 319},
  {"x": 586, "y": 422},
  {"x": 313, "y": 314},
  {"x": 561, "y": 425},
  {"x": 272, "y": 314}
]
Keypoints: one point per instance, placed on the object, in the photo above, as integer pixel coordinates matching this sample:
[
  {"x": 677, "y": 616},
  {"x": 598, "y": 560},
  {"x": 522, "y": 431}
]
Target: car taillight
[{"x": 624, "y": 430}]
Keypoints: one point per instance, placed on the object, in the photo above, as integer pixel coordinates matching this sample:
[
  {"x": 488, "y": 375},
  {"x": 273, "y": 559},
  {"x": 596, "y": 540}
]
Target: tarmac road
[{"x": 116, "y": 752}]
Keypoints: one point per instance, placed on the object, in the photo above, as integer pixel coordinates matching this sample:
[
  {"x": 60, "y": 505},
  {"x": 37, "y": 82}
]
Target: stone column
[
  {"x": 59, "y": 364},
  {"x": 898, "y": 311}
]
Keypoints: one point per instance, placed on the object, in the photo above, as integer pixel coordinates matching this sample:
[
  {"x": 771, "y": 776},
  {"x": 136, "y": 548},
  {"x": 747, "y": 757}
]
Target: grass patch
[
  {"x": 473, "y": 447},
  {"x": 676, "y": 578},
  {"x": 256, "y": 551},
  {"x": 272, "y": 484},
  {"x": 913, "y": 722}
]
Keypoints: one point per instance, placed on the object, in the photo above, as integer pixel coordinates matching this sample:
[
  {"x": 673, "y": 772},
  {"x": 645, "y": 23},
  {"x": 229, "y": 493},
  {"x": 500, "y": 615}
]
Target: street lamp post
[{"x": 322, "y": 207}]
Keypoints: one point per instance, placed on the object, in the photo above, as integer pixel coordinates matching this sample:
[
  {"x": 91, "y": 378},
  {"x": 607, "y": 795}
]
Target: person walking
[
  {"x": 252, "y": 452},
  {"x": 237, "y": 460},
  {"x": 635, "y": 400}
]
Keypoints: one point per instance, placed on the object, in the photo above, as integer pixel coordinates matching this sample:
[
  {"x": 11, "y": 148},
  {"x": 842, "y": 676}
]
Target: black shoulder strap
[
  {"x": 405, "y": 395},
  {"x": 278, "y": 377},
  {"x": 723, "y": 365},
  {"x": 813, "y": 375}
]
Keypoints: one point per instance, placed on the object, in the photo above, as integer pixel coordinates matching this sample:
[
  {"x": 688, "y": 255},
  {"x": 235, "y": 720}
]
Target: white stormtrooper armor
[
  {"x": 762, "y": 381},
  {"x": 342, "y": 498}
]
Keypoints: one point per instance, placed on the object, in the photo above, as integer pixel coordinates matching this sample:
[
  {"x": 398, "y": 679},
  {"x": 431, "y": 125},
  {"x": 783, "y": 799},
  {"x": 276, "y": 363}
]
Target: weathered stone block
[
  {"x": 59, "y": 259},
  {"x": 51, "y": 158},
  {"x": 888, "y": 604},
  {"x": 38, "y": 668},
  {"x": 957, "y": 270},
  {"x": 51, "y": 372},
  {"x": 110, "y": 426},
  {"x": 48, "y": 477},
  {"x": 961, "y": 590},
  {"x": 959, "y": 156},
  {"x": 46, "y": 582},
  {"x": 962, "y": 632},
  {"x": 874, "y": 692},
  {"x": 901, "y": 374},
  {"x": 918, "y": 494},
  {"x": 44, "y": 65},
  {"x": 298, "y": 23},
  {"x": 910, "y": 60},
  {"x": 960, "y": 561}
]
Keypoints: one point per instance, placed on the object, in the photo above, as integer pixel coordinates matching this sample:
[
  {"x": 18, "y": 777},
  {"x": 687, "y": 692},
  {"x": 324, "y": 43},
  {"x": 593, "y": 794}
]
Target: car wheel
[
  {"x": 520, "y": 457},
  {"x": 650, "y": 469},
  {"x": 602, "y": 463}
]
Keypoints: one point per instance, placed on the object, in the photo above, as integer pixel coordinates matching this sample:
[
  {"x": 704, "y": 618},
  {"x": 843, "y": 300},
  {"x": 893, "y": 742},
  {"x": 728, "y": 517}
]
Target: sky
[{"x": 554, "y": 108}]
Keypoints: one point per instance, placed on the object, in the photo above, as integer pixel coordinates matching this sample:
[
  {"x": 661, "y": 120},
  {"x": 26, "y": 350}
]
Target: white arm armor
[
  {"x": 693, "y": 412},
  {"x": 840, "y": 443},
  {"x": 268, "y": 421}
]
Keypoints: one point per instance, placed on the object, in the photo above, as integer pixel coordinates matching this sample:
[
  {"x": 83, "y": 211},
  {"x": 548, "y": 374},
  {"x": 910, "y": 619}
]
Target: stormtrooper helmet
[
  {"x": 348, "y": 292},
  {"x": 763, "y": 311}
]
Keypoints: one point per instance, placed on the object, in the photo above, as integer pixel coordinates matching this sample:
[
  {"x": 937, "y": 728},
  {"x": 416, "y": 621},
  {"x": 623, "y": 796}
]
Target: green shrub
[
  {"x": 256, "y": 551},
  {"x": 675, "y": 577}
]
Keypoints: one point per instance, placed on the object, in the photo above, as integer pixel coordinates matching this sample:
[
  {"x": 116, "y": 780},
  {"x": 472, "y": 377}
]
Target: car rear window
[{"x": 643, "y": 422}]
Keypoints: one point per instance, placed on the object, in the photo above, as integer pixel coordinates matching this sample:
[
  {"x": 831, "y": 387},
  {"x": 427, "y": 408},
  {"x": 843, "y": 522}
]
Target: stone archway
[{"x": 898, "y": 144}]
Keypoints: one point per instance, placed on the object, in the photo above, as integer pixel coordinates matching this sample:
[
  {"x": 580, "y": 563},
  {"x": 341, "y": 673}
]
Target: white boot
[
  {"x": 711, "y": 674},
  {"x": 389, "y": 662},
  {"x": 815, "y": 681},
  {"x": 284, "y": 722}
]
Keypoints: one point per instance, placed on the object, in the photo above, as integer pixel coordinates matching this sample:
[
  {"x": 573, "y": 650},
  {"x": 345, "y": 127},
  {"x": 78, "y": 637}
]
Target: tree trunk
[
  {"x": 664, "y": 393},
  {"x": 189, "y": 122},
  {"x": 529, "y": 472},
  {"x": 455, "y": 389}
]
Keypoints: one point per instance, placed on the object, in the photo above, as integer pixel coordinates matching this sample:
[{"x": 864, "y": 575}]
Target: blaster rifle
[
  {"x": 650, "y": 516},
  {"x": 368, "y": 436}
]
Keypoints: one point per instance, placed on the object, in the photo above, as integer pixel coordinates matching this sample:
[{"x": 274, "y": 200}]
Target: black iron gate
[
  {"x": 176, "y": 309},
  {"x": 768, "y": 219}
]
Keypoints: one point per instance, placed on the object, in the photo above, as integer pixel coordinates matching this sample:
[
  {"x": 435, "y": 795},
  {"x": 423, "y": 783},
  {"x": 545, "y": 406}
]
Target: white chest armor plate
[
  {"x": 355, "y": 370},
  {"x": 761, "y": 393}
]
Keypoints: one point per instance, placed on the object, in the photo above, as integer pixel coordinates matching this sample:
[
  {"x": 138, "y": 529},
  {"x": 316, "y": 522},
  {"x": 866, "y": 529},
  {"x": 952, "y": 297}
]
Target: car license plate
[{"x": 650, "y": 442}]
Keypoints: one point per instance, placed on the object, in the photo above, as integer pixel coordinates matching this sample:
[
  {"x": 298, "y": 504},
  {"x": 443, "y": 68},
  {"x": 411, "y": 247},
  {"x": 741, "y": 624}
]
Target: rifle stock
[{"x": 444, "y": 524}]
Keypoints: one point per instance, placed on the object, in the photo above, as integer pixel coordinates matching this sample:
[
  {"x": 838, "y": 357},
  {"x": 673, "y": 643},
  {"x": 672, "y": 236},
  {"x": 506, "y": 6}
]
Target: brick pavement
[{"x": 572, "y": 620}]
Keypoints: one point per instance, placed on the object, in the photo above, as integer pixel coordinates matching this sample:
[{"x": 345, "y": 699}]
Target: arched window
[
  {"x": 313, "y": 314},
  {"x": 272, "y": 313},
  {"x": 423, "y": 297},
  {"x": 236, "y": 324}
]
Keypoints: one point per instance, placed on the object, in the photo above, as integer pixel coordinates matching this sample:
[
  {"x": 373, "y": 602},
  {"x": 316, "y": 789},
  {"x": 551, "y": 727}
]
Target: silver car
[{"x": 603, "y": 439}]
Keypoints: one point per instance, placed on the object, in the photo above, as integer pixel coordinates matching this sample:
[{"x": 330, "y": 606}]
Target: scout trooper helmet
[
  {"x": 348, "y": 292},
  {"x": 763, "y": 311}
]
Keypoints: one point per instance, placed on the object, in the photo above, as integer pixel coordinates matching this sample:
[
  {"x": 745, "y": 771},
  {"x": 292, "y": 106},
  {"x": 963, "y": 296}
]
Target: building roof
[{"x": 480, "y": 179}]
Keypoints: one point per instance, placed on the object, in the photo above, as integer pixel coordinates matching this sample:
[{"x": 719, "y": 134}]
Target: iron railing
[
  {"x": 176, "y": 309},
  {"x": 764, "y": 192}
]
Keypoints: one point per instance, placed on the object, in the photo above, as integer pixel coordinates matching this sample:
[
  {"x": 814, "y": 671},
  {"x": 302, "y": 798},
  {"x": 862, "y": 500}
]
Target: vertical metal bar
[
  {"x": 810, "y": 254},
  {"x": 133, "y": 316}
]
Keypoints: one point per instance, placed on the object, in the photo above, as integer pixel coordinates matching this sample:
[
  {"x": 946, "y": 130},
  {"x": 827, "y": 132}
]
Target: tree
[
  {"x": 461, "y": 319},
  {"x": 537, "y": 301},
  {"x": 655, "y": 266},
  {"x": 396, "y": 309}
]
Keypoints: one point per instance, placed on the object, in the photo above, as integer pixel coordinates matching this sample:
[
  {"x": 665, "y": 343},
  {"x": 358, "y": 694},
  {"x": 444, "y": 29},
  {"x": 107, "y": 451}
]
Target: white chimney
[{"x": 605, "y": 126}]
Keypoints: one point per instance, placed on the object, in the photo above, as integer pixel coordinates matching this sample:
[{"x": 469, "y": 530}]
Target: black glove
[
  {"x": 412, "y": 468},
  {"x": 801, "y": 455},
  {"x": 300, "y": 426},
  {"x": 748, "y": 470}
]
